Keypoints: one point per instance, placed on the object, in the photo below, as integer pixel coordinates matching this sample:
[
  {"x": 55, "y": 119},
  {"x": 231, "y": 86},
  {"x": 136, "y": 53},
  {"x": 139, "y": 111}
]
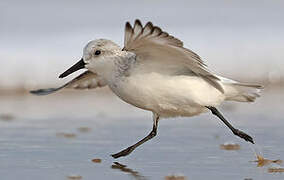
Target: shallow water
[{"x": 33, "y": 144}]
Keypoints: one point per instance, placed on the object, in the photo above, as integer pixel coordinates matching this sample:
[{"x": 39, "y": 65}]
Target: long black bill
[{"x": 79, "y": 65}]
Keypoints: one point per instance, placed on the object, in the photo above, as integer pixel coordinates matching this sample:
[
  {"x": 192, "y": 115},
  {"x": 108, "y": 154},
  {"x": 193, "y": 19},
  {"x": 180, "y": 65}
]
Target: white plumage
[{"x": 155, "y": 72}]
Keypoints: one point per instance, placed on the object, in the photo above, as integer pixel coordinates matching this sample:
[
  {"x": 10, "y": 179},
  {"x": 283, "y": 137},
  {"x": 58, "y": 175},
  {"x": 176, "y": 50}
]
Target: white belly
[{"x": 169, "y": 96}]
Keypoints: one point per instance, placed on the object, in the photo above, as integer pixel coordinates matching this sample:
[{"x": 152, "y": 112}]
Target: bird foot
[
  {"x": 243, "y": 135},
  {"x": 124, "y": 152}
]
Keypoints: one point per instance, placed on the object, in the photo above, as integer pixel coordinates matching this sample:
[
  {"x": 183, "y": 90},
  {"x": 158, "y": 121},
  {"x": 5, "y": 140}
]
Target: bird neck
[
  {"x": 124, "y": 63},
  {"x": 114, "y": 68}
]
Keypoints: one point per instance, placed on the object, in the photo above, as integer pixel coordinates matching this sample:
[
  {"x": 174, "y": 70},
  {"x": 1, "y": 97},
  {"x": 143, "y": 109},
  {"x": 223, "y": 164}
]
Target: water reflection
[{"x": 135, "y": 174}]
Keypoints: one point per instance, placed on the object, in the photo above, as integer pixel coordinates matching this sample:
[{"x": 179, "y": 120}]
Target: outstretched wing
[
  {"x": 86, "y": 80},
  {"x": 157, "y": 51}
]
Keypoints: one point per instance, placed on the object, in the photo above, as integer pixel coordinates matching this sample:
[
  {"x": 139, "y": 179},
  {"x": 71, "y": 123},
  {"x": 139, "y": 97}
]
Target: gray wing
[
  {"x": 86, "y": 80},
  {"x": 157, "y": 51}
]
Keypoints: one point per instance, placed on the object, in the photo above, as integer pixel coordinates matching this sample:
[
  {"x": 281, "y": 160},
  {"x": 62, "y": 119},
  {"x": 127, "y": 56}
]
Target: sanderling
[{"x": 154, "y": 72}]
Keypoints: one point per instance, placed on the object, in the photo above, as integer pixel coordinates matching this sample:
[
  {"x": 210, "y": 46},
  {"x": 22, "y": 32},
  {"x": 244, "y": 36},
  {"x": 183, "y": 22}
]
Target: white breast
[{"x": 166, "y": 95}]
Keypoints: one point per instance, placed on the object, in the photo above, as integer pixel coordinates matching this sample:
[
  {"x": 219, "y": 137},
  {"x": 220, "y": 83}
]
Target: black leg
[
  {"x": 237, "y": 132},
  {"x": 152, "y": 134}
]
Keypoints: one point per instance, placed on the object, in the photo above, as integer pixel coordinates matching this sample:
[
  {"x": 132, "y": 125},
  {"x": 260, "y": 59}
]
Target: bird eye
[{"x": 98, "y": 52}]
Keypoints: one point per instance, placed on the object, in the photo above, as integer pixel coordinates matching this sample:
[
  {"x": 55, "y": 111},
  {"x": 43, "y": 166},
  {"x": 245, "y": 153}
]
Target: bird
[{"x": 155, "y": 72}]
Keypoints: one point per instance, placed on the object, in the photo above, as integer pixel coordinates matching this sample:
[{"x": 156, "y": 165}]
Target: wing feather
[
  {"x": 86, "y": 80},
  {"x": 154, "y": 47}
]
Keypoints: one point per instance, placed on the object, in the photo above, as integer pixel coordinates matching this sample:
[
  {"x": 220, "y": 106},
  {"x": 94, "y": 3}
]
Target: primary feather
[
  {"x": 86, "y": 80},
  {"x": 154, "y": 47}
]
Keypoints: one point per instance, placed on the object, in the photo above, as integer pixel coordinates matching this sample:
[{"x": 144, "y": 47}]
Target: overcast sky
[{"x": 41, "y": 39}]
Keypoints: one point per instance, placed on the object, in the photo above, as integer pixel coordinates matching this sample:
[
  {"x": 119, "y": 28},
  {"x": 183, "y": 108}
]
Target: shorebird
[{"x": 155, "y": 72}]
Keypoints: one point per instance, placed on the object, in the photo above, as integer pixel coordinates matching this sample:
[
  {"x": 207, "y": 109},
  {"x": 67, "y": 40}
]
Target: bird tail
[{"x": 241, "y": 92}]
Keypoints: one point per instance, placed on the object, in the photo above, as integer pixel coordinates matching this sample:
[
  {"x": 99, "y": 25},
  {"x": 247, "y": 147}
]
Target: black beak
[{"x": 79, "y": 65}]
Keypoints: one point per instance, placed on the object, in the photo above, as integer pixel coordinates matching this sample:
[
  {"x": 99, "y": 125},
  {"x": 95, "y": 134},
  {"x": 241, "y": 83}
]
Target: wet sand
[{"x": 71, "y": 135}]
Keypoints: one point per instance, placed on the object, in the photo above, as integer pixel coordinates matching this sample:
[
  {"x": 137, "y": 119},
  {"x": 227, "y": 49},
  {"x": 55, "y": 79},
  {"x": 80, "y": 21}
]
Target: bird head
[{"x": 98, "y": 57}]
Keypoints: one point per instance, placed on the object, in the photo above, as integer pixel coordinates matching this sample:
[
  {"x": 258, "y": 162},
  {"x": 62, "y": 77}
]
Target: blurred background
[
  {"x": 40, "y": 39},
  {"x": 57, "y": 136}
]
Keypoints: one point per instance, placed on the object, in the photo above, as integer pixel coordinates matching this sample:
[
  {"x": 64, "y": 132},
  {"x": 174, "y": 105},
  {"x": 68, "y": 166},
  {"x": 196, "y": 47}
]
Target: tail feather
[
  {"x": 249, "y": 85},
  {"x": 241, "y": 92}
]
